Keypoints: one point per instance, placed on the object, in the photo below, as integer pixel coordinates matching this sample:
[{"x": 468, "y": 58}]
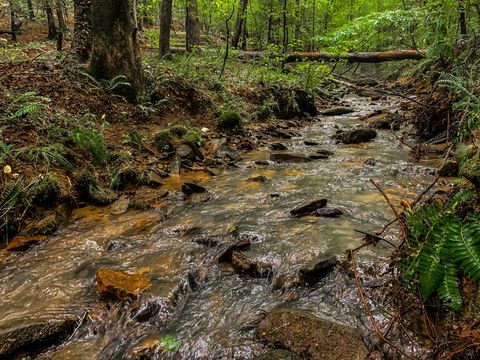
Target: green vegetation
[{"x": 229, "y": 121}]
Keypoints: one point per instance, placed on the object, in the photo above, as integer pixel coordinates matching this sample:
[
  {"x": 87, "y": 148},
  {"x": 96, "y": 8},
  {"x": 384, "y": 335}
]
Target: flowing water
[{"x": 208, "y": 307}]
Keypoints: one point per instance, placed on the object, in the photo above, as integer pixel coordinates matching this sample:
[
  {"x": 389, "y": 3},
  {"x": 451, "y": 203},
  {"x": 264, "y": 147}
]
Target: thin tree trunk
[
  {"x": 165, "y": 23},
  {"x": 241, "y": 15},
  {"x": 52, "y": 28},
  {"x": 285, "y": 29},
  {"x": 13, "y": 21},
  {"x": 31, "y": 12},
  {"x": 116, "y": 49},
  {"x": 62, "y": 26},
  {"x": 462, "y": 18},
  {"x": 270, "y": 24},
  {"x": 192, "y": 24},
  {"x": 82, "y": 38}
]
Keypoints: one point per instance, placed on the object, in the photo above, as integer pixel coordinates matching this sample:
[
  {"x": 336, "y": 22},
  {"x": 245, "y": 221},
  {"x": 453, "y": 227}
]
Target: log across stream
[{"x": 209, "y": 309}]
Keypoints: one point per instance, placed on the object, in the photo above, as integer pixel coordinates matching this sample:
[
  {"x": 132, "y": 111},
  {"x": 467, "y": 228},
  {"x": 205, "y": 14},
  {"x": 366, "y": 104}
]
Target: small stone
[
  {"x": 154, "y": 178},
  {"x": 226, "y": 253},
  {"x": 22, "y": 243},
  {"x": 328, "y": 212},
  {"x": 337, "y": 111},
  {"x": 317, "y": 269},
  {"x": 250, "y": 266},
  {"x": 259, "y": 179},
  {"x": 120, "y": 285},
  {"x": 289, "y": 158},
  {"x": 324, "y": 152},
  {"x": 311, "y": 143},
  {"x": 120, "y": 206},
  {"x": 356, "y": 136},
  {"x": 278, "y": 147},
  {"x": 309, "y": 209},
  {"x": 192, "y": 188}
]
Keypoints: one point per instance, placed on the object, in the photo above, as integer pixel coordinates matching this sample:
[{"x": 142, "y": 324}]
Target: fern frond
[
  {"x": 465, "y": 248},
  {"x": 430, "y": 271},
  {"x": 449, "y": 289}
]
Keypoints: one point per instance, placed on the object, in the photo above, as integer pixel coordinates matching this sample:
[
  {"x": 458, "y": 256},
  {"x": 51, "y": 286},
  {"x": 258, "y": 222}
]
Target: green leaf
[{"x": 169, "y": 343}]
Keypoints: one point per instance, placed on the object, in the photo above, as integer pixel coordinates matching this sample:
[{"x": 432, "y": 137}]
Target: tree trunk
[
  {"x": 462, "y": 18},
  {"x": 270, "y": 24},
  {"x": 285, "y": 29},
  {"x": 242, "y": 13},
  {"x": 192, "y": 24},
  {"x": 115, "y": 47},
  {"x": 82, "y": 40},
  {"x": 62, "y": 26},
  {"x": 360, "y": 57},
  {"x": 52, "y": 28},
  {"x": 165, "y": 23},
  {"x": 13, "y": 21},
  {"x": 31, "y": 12}
]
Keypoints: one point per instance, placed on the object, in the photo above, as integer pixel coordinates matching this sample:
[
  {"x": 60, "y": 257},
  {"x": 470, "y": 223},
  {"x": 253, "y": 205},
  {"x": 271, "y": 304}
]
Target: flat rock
[
  {"x": 326, "y": 153},
  {"x": 259, "y": 179},
  {"x": 120, "y": 206},
  {"x": 289, "y": 158},
  {"x": 22, "y": 243},
  {"x": 278, "y": 147},
  {"x": 250, "y": 266},
  {"x": 154, "y": 178},
  {"x": 186, "y": 152},
  {"x": 317, "y": 269},
  {"x": 120, "y": 285},
  {"x": 192, "y": 188},
  {"x": 227, "y": 252},
  {"x": 309, "y": 209},
  {"x": 310, "y": 336},
  {"x": 328, "y": 213},
  {"x": 356, "y": 136},
  {"x": 385, "y": 121},
  {"x": 29, "y": 339},
  {"x": 337, "y": 111},
  {"x": 311, "y": 143}
]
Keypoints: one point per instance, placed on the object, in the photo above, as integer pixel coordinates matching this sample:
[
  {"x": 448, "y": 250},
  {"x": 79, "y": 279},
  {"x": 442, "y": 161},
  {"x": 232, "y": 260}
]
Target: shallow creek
[{"x": 213, "y": 311}]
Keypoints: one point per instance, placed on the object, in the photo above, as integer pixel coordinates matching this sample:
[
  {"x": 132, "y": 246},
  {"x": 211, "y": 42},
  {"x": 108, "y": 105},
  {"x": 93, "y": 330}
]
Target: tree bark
[
  {"x": 31, "y": 12},
  {"x": 165, "y": 24},
  {"x": 360, "y": 57},
  {"x": 13, "y": 21},
  {"x": 115, "y": 47},
  {"x": 62, "y": 26},
  {"x": 192, "y": 23},
  {"x": 52, "y": 28},
  {"x": 82, "y": 35},
  {"x": 242, "y": 13}
]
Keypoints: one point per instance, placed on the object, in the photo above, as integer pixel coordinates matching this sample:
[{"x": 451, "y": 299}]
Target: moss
[
  {"x": 229, "y": 121},
  {"x": 469, "y": 159},
  {"x": 193, "y": 136},
  {"x": 178, "y": 130},
  {"x": 45, "y": 191},
  {"x": 163, "y": 140}
]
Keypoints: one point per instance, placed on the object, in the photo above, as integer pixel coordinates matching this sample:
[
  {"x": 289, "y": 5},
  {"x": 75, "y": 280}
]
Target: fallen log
[{"x": 359, "y": 57}]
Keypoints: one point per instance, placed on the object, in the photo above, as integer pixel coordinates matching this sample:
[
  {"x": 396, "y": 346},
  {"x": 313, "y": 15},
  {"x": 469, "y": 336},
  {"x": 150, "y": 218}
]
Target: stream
[{"x": 207, "y": 306}]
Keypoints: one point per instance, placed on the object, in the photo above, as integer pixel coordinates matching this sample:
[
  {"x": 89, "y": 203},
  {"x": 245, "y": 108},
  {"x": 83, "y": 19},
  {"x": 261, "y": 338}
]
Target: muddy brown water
[{"x": 212, "y": 313}]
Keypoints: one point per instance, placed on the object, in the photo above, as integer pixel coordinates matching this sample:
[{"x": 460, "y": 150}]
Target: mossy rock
[
  {"x": 178, "y": 130},
  {"x": 229, "y": 121},
  {"x": 164, "y": 141},
  {"x": 90, "y": 189},
  {"x": 45, "y": 192},
  {"x": 193, "y": 137}
]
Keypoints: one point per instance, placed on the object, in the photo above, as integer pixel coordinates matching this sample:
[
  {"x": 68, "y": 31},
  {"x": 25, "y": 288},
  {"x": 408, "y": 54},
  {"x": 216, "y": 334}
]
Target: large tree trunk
[
  {"x": 165, "y": 23},
  {"x": 360, "y": 57},
  {"x": 192, "y": 24},
  {"x": 242, "y": 13},
  {"x": 52, "y": 28},
  {"x": 115, "y": 47},
  {"x": 82, "y": 41}
]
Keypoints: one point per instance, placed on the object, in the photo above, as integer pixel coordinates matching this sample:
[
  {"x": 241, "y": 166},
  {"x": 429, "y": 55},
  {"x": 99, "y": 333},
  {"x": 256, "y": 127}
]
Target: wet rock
[
  {"x": 309, "y": 209},
  {"x": 228, "y": 154},
  {"x": 120, "y": 285},
  {"x": 356, "y": 136},
  {"x": 328, "y": 213},
  {"x": 154, "y": 178},
  {"x": 259, "y": 179},
  {"x": 337, "y": 111},
  {"x": 310, "y": 336},
  {"x": 449, "y": 169},
  {"x": 318, "y": 157},
  {"x": 120, "y": 206},
  {"x": 22, "y": 243},
  {"x": 192, "y": 188},
  {"x": 326, "y": 153},
  {"x": 264, "y": 162},
  {"x": 48, "y": 225},
  {"x": 116, "y": 245},
  {"x": 275, "y": 195},
  {"x": 365, "y": 82},
  {"x": 250, "y": 266},
  {"x": 186, "y": 152},
  {"x": 291, "y": 105},
  {"x": 370, "y": 162},
  {"x": 278, "y": 355},
  {"x": 311, "y": 143},
  {"x": 32, "y": 338},
  {"x": 208, "y": 240},
  {"x": 317, "y": 269},
  {"x": 239, "y": 245},
  {"x": 278, "y": 147},
  {"x": 102, "y": 196},
  {"x": 174, "y": 163},
  {"x": 385, "y": 121},
  {"x": 289, "y": 158}
]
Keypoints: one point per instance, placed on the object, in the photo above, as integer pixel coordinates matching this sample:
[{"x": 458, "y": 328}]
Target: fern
[
  {"x": 465, "y": 249},
  {"x": 9, "y": 196},
  {"x": 449, "y": 288}
]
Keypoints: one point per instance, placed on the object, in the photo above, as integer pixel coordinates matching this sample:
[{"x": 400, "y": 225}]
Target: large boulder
[
  {"x": 310, "y": 336},
  {"x": 35, "y": 337},
  {"x": 356, "y": 136}
]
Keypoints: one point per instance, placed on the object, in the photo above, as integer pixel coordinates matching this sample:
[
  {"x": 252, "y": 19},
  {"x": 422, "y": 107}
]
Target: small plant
[
  {"x": 26, "y": 104},
  {"x": 178, "y": 130},
  {"x": 5, "y": 151},
  {"x": 94, "y": 141},
  {"x": 229, "y": 121},
  {"x": 169, "y": 343},
  {"x": 134, "y": 139},
  {"x": 163, "y": 140},
  {"x": 55, "y": 154},
  {"x": 45, "y": 191},
  {"x": 193, "y": 136}
]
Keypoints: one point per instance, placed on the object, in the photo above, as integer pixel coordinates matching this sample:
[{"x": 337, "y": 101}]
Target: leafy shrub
[
  {"x": 441, "y": 246},
  {"x": 193, "y": 136},
  {"x": 178, "y": 130},
  {"x": 134, "y": 139},
  {"x": 94, "y": 141},
  {"x": 229, "y": 121},
  {"x": 163, "y": 140}
]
